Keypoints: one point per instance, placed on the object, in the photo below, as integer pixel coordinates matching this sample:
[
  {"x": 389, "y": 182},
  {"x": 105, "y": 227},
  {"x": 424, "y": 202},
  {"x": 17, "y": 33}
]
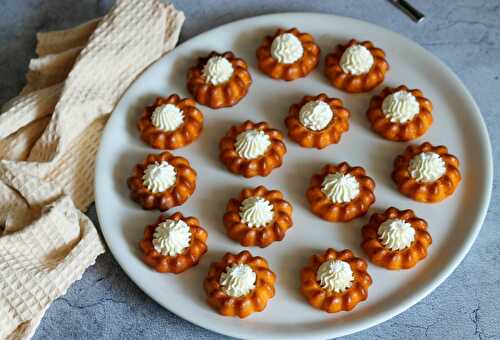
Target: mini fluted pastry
[
  {"x": 252, "y": 149},
  {"x": 426, "y": 173},
  {"x": 400, "y": 114},
  {"x": 162, "y": 181},
  {"x": 317, "y": 121},
  {"x": 174, "y": 243},
  {"x": 340, "y": 193},
  {"x": 239, "y": 284},
  {"x": 219, "y": 80},
  {"x": 288, "y": 54},
  {"x": 335, "y": 281},
  {"x": 258, "y": 217},
  {"x": 396, "y": 239},
  {"x": 356, "y": 66},
  {"x": 170, "y": 123}
]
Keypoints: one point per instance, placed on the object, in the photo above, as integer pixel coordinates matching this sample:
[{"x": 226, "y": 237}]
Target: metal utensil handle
[{"x": 414, "y": 13}]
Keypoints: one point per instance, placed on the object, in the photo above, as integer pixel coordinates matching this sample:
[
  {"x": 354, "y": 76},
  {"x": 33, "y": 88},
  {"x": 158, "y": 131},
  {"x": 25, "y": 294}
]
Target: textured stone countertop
[{"x": 465, "y": 34}]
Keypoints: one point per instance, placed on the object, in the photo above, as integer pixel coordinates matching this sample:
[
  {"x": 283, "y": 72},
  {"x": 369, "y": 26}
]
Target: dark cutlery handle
[{"x": 414, "y": 13}]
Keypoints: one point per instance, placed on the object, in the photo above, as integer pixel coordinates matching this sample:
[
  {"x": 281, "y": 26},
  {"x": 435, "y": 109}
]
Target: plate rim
[{"x": 425, "y": 289}]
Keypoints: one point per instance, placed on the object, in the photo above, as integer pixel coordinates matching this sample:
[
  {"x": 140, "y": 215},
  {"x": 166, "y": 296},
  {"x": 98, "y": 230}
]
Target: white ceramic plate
[{"x": 453, "y": 223}]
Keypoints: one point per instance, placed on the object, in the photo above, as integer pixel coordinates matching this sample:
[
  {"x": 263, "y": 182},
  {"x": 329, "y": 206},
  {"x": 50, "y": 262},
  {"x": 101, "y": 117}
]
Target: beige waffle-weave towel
[{"x": 49, "y": 136}]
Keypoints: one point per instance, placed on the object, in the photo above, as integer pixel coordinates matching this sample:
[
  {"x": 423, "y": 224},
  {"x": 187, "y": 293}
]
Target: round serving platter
[{"x": 453, "y": 224}]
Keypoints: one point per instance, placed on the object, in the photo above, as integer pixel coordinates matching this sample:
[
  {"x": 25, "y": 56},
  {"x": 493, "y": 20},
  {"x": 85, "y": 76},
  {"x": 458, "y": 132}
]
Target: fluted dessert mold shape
[
  {"x": 226, "y": 94},
  {"x": 263, "y": 236},
  {"x": 396, "y": 131},
  {"x": 356, "y": 83},
  {"x": 324, "y": 207},
  {"x": 329, "y": 300},
  {"x": 179, "y": 263},
  {"x": 175, "y": 195},
  {"x": 260, "y": 166},
  {"x": 187, "y": 132},
  {"x": 382, "y": 255},
  {"x": 298, "y": 69},
  {"x": 255, "y": 301},
  {"x": 331, "y": 134},
  {"x": 426, "y": 192}
]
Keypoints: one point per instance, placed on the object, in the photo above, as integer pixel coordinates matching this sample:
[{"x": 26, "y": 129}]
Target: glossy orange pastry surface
[
  {"x": 170, "y": 123},
  {"x": 361, "y": 69},
  {"x": 169, "y": 230},
  {"x": 335, "y": 281},
  {"x": 288, "y": 54},
  {"x": 400, "y": 114},
  {"x": 258, "y": 217},
  {"x": 219, "y": 80},
  {"x": 317, "y": 121},
  {"x": 426, "y": 173},
  {"x": 340, "y": 193},
  {"x": 252, "y": 149},
  {"x": 162, "y": 181},
  {"x": 396, "y": 239},
  {"x": 239, "y": 284}
]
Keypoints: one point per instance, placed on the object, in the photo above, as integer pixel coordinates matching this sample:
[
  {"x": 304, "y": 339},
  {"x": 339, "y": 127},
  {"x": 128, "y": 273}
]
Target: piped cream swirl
[
  {"x": 340, "y": 188},
  {"x": 315, "y": 115},
  {"x": 286, "y": 48},
  {"x": 238, "y": 280},
  {"x": 167, "y": 117},
  {"x": 217, "y": 70},
  {"x": 356, "y": 60},
  {"x": 400, "y": 107},
  {"x": 158, "y": 177},
  {"x": 427, "y": 167},
  {"x": 171, "y": 237},
  {"x": 256, "y": 212},
  {"x": 335, "y": 275},
  {"x": 252, "y": 144},
  {"x": 396, "y": 234}
]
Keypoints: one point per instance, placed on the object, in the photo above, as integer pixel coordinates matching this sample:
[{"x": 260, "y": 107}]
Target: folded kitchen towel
[{"x": 49, "y": 136}]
